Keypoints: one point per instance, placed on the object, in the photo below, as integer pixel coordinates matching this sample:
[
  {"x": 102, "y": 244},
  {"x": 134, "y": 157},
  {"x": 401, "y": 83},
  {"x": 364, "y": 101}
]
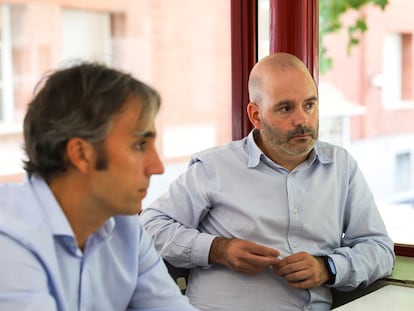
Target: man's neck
[{"x": 82, "y": 216}]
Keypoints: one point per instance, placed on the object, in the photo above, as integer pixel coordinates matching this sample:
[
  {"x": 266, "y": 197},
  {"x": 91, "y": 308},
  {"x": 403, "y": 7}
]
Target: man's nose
[
  {"x": 300, "y": 118},
  {"x": 155, "y": 166}
]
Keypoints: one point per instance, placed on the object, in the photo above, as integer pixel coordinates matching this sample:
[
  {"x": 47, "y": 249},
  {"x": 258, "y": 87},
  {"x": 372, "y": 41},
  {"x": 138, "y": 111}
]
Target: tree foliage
[{"x": 330, "y": 12}]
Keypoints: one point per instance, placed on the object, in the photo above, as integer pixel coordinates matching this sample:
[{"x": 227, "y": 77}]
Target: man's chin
[{"x": 302, "y": 148}]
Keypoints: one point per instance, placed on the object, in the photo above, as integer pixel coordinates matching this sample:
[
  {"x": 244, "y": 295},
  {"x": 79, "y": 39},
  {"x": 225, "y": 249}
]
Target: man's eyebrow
[
  {"x": 288, "y": 102},
  {"x": 145, "y": 134},
  {"x": 284, "y": 102},
  {"x": 312, "y": 98}
]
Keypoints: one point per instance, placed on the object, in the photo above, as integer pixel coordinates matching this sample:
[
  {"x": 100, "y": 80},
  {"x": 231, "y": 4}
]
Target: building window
[
  {"x": 6, "y": 76},
  {"x": 189, "y": 66},
  {"x": 86, "y": 35},
  {"x": 403, "y": 171},
  {"x": 397, "y": 78}
]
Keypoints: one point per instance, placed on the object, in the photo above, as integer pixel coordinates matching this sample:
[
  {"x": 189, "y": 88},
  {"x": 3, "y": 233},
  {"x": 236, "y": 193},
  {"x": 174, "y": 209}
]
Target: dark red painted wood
[
  {"x": 244, "y": 56},
  {"x": 294, "y": 28}
]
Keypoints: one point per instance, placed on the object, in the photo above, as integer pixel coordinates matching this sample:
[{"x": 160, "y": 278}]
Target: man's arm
[
  {"x": 173, "y": 219},
  {"x": 367, "y": 251},
  {"x": 155, "y": 290}
]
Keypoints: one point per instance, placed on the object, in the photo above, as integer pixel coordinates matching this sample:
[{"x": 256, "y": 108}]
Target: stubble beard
[{"x": 282, "y": 142}]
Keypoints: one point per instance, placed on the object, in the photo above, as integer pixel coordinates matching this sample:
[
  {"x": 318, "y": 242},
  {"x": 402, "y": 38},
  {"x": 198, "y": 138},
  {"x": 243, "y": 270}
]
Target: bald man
[{"x": 272, "y": 221}]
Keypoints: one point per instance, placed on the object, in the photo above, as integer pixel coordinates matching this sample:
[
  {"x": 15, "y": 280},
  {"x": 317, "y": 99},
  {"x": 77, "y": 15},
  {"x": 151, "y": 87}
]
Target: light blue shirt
[
  {"x": 323, "y": 206},
  {"x": 42, "y": 268}
]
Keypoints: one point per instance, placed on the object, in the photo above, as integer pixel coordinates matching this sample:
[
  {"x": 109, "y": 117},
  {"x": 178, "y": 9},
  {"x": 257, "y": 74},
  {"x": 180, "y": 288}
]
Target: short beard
[{"x": 277, "y": 141}]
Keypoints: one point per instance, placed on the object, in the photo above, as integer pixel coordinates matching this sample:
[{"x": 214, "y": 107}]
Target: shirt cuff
[{"x": 201, "y": 249}]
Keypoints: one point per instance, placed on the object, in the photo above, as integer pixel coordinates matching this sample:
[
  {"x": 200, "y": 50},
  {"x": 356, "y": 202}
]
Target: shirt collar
[
  {"x": 57, "y": 220},
  {"x": 321, "y": 153},
  {"x": 255, "y": 152}
]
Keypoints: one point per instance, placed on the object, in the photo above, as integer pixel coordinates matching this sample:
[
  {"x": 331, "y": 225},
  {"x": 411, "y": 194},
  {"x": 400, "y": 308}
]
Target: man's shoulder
[
  {"x": 14, "y": 199},
  {"x": 20, "y": 212},
  {"x": 328, "y": 146},
  {"x": 329, "y": 151},
  {"x": 232, "y": 147}
]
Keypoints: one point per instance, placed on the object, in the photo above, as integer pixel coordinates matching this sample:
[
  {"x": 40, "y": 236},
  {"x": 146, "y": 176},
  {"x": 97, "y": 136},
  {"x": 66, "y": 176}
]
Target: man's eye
[
  {"x": 310, "y": 105},
  {"x": 141, "y": 145}
]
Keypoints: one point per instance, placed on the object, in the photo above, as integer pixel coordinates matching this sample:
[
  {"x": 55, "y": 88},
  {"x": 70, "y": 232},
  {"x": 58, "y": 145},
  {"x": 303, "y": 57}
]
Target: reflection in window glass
[
  {"x": 382, "y": 136},
  {"x": 180, "y": 47}
]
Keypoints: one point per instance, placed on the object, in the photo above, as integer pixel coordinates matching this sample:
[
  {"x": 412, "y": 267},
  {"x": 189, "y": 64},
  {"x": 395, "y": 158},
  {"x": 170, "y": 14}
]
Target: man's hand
[
  {"x": 242, "y": 256},
  {"x": 302, "y": 270}
]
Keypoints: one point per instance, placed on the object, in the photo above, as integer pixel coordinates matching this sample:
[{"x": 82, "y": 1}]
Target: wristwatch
[{"x": 330, "y": 266}]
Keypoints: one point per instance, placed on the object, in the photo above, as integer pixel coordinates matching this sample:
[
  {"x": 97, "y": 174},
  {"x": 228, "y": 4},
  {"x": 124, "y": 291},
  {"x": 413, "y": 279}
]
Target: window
[
  {"x": 397, "y": 71},
  {"x": 263, "y": 29},
  {"x": 180, "y": 47},
  {"x": 392, "y": 65},
  {"x": 403, "y": 171},
  {"x": 6, "y": 77},
  {"x": 86, "y": 35},
  {"x": 382, "y": 135}
]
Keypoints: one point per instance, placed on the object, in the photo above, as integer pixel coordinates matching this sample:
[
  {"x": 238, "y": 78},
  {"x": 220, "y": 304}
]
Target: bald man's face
[{"x": 288, "y": 115}]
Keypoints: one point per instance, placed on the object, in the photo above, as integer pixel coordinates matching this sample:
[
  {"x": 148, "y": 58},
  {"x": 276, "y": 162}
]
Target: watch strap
[{"x": 330, "y": 266}]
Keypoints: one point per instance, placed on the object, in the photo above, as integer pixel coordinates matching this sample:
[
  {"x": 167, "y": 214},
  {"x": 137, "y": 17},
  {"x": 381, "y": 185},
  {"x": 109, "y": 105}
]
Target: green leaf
[{"x": 330, "y": 14}]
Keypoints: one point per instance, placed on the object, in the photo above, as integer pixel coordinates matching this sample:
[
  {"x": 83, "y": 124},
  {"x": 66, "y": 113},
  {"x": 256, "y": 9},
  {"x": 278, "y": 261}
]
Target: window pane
[
  {"x": 382, "y": 135},
  {"x": 180, "y": 47}
]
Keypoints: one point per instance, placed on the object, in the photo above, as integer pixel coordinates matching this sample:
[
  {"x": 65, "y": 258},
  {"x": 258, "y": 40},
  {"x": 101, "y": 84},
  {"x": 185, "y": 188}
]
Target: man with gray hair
[{"x": 70, "y": 238}]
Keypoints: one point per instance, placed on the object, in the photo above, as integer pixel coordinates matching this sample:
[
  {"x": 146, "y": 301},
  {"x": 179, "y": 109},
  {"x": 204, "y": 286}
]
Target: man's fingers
[
  {"x": 263, "y": 250},
  {"x": 249, "y": 257}
]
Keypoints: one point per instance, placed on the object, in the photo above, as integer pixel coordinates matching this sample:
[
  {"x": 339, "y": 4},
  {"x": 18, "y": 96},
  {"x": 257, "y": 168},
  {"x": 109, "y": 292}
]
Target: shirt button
[
  {"x": 295, "y": 211},
  {"x": 295, "y": 245}
]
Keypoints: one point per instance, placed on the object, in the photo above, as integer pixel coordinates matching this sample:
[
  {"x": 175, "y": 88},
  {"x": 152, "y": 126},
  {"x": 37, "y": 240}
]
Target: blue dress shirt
[
  {"x": 323, "y": 206},
  {"x": 42, "y": 268}
]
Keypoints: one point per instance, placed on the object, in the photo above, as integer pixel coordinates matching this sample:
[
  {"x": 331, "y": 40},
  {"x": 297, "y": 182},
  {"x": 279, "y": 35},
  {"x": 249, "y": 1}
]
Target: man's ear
[
  {"x": 81, "y": 154},
  {"x": 253, "y": 112}
]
